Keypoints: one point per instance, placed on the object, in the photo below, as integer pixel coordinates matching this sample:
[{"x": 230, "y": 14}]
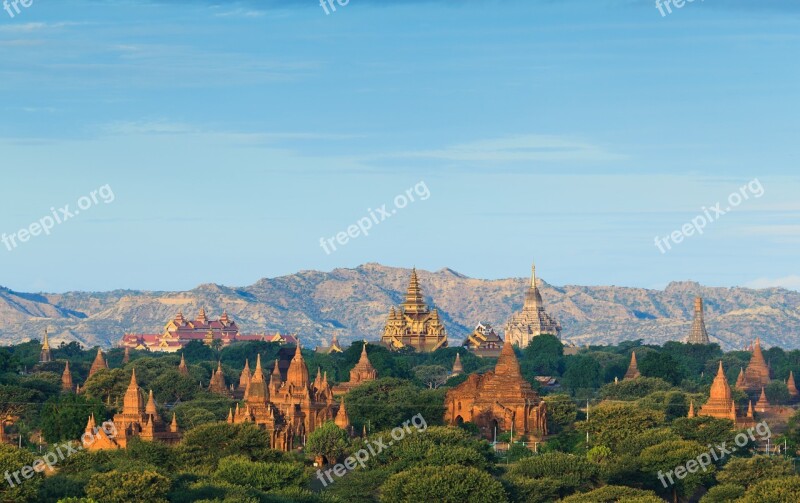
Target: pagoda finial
[
  {"x": 533, "y": 275},
  {"x": 133, "y": 378}
]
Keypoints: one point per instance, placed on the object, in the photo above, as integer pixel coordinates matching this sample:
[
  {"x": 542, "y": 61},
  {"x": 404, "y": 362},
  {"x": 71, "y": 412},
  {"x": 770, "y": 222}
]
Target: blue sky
[{"x": 235, "y": 135}]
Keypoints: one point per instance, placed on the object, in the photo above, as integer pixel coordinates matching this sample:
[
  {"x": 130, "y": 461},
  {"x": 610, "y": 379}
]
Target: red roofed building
[{"x": 179, "y": 332}]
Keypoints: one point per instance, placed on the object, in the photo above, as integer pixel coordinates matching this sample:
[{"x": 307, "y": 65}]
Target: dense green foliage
[{"x": 610, "y": 439}]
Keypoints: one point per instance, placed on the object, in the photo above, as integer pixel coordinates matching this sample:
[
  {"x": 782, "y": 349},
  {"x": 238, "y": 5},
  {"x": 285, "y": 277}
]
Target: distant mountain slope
[{"x": 354, "y": 304}]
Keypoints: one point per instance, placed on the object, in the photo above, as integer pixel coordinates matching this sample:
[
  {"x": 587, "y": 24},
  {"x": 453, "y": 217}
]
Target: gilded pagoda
[{"x": 414, "y": 325}]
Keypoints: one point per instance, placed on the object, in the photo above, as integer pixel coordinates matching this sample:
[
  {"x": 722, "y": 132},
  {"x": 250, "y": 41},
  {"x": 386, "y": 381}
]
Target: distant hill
[{"x": 354, "y": 302}]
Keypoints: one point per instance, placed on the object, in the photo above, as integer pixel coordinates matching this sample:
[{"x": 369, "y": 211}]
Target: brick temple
[{"x": 498, "y": 401}]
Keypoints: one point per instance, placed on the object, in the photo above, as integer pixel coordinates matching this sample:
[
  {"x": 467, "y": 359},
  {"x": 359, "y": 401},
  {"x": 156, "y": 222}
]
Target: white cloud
[
  {"x": 791, "y": 282},
  {"x": 530, "y": 147}
]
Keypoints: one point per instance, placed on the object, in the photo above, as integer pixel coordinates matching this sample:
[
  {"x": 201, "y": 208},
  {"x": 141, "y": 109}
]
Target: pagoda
[
  {"x": 66, "y": 380},
  {"x": 217, "y": 384},
  {"x": 126, "y": 357},
  {"x": 791, "y": 387},
  {"x": 361, "y": 373},
  {"x": 458, "y": 368},
  {"x": 533, "y": 320},
  {"x": 498, "y": 401},
  {"x": 287, "y": 409},
  {"x": 45, "y": 356},
  {"x": 633, "y": 368},
  {"x": 699, "y": 335},
  {"x": 484, "y": 342},
  {"x": 98, "y": 364},
  {"x": 414, "y": 325},
  {"x": 182, "y": 368},
  {"x": 756, "y": 375},
  {"x": 720, "y": 404},
  {"x": 762, "y": 405},
  {"x": 137, "y": 419}
]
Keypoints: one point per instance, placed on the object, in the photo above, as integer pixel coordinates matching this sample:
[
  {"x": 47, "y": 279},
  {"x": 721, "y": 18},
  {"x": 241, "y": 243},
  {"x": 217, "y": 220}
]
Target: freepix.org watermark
[
  {"x": 709, "y": 215},
  {"x": 325, "y": 4},
  {"x": 375, "y": 217},
  {"x": 715, "y": 453},
  {"x": 57, "y": 216},
  {"x": 374, "y": 447},
  {"x": 12, "y": 6},
  {"x": 665, "y": 6},
  {"x": 60, "y": 453}
]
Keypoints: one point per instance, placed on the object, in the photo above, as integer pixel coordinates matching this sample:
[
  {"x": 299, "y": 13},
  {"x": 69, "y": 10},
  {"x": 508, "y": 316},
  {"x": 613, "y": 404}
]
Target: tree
[
  {"x": 745, "y": 472},
  {"x": 663, "y": 365},
  {"x": 703, "y": 429},
  {"x": 125, "y": 486},
  {"x": 327, "y": 441},
  {"x": 659, "y": 461},
  {"x": 387, "y": 402},
  {"x": 432, "y": 376},
  {"x": 777, "y": 393},
  {"x": 612, "y": 494},
  {"x": 448, "y": 484},
  {"x": 723, "y": 493},
  {"x": 12, "y": 489},
  {"x": 64, "y": 416},
  {"x": 613, "y": 424},
  {"x": 241, "y": 471},
  {"x": 205, "y": 445},
  {"x": 561, "y": 412},
  {"x": 780, "y": 489},
  {"x": 633, "y": 389},
  {"x": 543, "y": 356},
  {"x": 583, "y": 374}
]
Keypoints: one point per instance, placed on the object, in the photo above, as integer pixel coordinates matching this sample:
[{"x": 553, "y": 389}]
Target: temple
[
  {"x": 66, "y": 380},
  {"x": 533, "y": 320},
  {"x": 757, "y": 374},
  {"x": 791, "y": 387},
  {"x": 217, "y": 384},
  {"x": 287, "y": 409},
  {"x": 333, "y": 348},
  {"x": 458, "y": 367},
  {"x": 179, "y": 332},
  {"x": 98, "y": 364},
  {"x": 182, "y": 368},
  {"x": 484, "y": 342},
  {"x": 721, "y": 405},
  {"x": 361, "y": 373},
  {"x": 699, "y": 335},
  {"x": 498, "y": 401},
  {"x": 45, "y": 356},
  {"x": 633, "y": 368},
  {"x": 414, "y": 325},
  {"x": 135, "y": 420}
]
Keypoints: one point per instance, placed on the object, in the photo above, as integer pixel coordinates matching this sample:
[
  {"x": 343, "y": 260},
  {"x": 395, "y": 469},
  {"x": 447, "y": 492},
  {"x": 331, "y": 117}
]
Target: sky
[{"x": 223, "y": 142}]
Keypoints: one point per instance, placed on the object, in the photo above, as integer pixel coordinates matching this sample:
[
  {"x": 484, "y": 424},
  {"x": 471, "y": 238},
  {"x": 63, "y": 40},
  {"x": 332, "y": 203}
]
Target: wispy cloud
[
  {"x": 519, "y": 148},
  {"x": 791, "y": 282}
]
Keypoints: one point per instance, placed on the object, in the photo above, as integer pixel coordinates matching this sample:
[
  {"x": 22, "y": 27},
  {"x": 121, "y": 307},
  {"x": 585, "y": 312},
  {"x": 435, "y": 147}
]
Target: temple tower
[
  {"x": 757, "y": 374},
  {"x": 699, "y": 335},
  {"x": 182, "y": 368},
  {"x": 533, "y": 320},
  {"x": 414, "y": 325},
  {"x": 633, "y": 368},
  {"x": 720, "y": 404},
  {"x": 66, "y": 380},
  {"x": 99, "y": 363},
  {"x": 45, "y": 356}
]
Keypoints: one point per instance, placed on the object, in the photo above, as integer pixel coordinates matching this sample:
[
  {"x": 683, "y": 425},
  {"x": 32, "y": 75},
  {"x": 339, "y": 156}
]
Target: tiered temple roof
[
  {"x": 501, "y": 399},
  {"x": 137, "y": 419},
  {"x": 361, "y": 373},
  {"x": 757, "y": 374},
  {"x": 484, "y": 341},
  {"x": 720, "y": 404},
  {"x": 699, "y": 335},
  {"x": 414, "y": 325},
  {"x": 762, "y": 405},
  {"x": 532, "y": 320},
  {"x": 217, "y": 384},
  {"x": 179, "y": 331},
  {"x": 99, "y": 363}
]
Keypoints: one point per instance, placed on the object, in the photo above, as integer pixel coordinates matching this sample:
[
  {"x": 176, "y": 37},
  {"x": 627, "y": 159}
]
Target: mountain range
[{"x": 354, "y": 303}]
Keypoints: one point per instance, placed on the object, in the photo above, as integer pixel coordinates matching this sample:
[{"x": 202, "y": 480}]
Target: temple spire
[
  {"x": 66, "y": 379},
  {"x": 699, "y": 335},
  {"x": 633, "y": 368},
  {"x": 44, "y": 356}
]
